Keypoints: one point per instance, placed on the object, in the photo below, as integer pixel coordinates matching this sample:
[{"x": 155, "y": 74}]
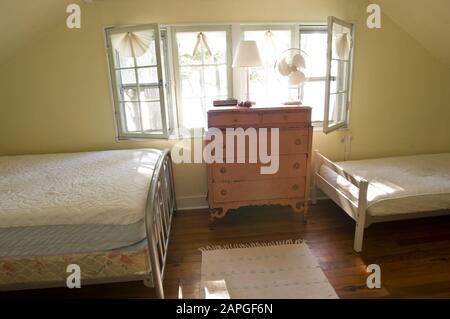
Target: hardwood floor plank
[{"x": 414, "y": 255}]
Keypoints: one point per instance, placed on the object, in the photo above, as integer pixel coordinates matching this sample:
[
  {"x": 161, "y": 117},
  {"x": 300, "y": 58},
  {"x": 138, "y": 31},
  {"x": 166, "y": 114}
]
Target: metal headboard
[{"x": 161, "y": 204}]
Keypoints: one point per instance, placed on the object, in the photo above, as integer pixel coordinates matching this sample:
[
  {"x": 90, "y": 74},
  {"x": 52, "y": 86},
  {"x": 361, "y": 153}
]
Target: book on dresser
[{"x": 236, "y": 182}]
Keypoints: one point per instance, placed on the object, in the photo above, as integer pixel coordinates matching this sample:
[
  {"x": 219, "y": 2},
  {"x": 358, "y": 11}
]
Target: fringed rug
[{"x": 284, "y": 270}]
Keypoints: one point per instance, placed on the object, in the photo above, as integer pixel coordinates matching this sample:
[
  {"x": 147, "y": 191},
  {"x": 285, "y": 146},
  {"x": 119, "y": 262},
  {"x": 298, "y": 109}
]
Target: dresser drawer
[
  {"x": 256, "y": 190},
  {"x": 294, "y": 141},
  {"x": 289, "y": 166},
  {"x": 301, "y": 118},
  {"x": 233, "y": 119},
  {"x": 291, "y": 141}
]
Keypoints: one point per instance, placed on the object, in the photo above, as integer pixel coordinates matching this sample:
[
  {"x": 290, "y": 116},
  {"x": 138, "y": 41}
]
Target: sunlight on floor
[
  {"x": 216, "y": 289},
  {"x": 180, "y": 292}
]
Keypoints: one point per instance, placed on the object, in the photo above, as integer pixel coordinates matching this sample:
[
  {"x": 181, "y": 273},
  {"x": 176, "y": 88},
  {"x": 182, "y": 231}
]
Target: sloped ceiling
[
  {"x": 23, "y": 20},
  {"x": 428, "y": 21}
]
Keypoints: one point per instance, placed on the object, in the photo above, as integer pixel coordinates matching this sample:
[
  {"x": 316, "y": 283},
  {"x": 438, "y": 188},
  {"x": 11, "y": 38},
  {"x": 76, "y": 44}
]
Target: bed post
[
  {"x": 361, "y": 216},
  {"x": 161, "y": 204},
  {"x": 316, "y": 167}
]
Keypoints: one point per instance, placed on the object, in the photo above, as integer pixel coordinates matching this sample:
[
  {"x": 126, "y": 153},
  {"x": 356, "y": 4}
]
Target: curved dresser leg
[{"x": 217, "y": 213}]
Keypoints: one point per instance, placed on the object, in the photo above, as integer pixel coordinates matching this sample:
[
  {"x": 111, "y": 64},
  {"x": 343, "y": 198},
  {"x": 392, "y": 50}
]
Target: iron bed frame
[{"x": 160, "y": 207}]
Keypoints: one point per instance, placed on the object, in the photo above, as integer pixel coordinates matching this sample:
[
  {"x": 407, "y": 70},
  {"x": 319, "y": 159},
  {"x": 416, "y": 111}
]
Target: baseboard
[{"x": 192, "y": 202}]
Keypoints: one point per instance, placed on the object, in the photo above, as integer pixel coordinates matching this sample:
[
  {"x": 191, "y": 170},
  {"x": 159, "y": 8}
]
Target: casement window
[
  {"x": 202, "y": 66},
  {"x": 272, "y": 40},
  {"x": 313, "y": 41},
  {"x": 340, "y": 46},
  {"x": 167, "y": 77},
  {"x": 136, "y": 67}
]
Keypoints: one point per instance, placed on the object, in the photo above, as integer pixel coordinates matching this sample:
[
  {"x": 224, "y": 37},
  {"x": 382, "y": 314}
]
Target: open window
[
  {"x": 338, "y": 74},
  {"x": 136, "y": 64}
]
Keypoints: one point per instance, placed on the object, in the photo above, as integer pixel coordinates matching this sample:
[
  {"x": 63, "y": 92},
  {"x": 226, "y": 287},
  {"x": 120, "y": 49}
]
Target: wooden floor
[{"x": 414, "y": 255}]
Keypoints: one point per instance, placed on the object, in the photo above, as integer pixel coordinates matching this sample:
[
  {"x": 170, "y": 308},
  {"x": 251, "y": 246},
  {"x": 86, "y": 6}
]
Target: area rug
[{"x": 279, "y": 270}]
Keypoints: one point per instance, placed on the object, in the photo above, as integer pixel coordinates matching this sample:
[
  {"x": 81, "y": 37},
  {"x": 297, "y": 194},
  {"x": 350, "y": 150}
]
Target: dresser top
[{"x": 258, "y": 108}]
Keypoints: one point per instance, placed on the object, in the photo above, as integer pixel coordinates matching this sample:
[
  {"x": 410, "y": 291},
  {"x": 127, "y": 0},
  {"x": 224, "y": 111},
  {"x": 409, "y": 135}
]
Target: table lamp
[{"x": 247, "y": 56}]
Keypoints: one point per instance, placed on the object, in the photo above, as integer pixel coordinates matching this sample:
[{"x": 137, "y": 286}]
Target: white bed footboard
[
  {"x": 356, "y": 210},
  {"x": 161, "y": 204}
]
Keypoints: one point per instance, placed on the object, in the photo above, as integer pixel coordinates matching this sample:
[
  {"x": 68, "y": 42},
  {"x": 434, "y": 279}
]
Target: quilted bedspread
[{"x": 108, "y": 187}]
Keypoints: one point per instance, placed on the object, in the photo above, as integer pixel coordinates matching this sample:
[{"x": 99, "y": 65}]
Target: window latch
[{"x": 160, "y": 84}]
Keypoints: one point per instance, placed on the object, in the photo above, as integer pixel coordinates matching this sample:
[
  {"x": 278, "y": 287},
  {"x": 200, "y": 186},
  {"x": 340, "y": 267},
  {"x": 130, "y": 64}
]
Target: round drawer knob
[
  {"x": 296, "y": 165},
  {"x": 298, "y": 142},
  {"x": 235, "y": 120},
  {"x": 295, "y": 187},
  {"x": 223, "y": 170},
  {"x": 223, "y": 192}
]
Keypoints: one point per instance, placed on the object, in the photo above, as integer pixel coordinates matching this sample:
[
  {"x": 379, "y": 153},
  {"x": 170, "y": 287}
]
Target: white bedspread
[
  {"x": 399, "y": 184},
  {"x": 109, "y": 187}
]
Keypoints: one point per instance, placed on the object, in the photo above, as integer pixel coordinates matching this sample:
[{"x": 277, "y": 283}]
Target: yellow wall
[{"x": 55, "y": 95}]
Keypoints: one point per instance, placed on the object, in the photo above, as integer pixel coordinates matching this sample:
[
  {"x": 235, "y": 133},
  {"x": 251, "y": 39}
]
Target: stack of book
[{"x": 229, "y": 102}]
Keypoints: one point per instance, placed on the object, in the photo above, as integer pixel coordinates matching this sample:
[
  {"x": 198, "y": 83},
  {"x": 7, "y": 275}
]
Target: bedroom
[{"x": 60, "y": 94}]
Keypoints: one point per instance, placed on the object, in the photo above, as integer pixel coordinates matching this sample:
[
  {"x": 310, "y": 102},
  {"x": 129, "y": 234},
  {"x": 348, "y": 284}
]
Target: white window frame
[
  {"x": 305, "y": 29},
  {"x": 293, "y": 27},
  {"x": 169, "y": 73},
  {"x": 173, "y": 30},
  {"x": 265, "y": 27},
  {"x": 122, "y": 133},
  {"x": 349, "y": 74}
]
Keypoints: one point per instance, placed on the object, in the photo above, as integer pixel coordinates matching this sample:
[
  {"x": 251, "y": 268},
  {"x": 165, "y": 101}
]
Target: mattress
[
  {"x": 41, "y": 271},
  {"x": 69, "y": 203},
  {"x": 398, "y": 185},
  {"x": 67, "y": 239}
]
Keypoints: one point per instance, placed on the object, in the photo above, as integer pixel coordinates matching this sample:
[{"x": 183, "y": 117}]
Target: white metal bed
[
  {"x": 159, "y": 209},
  {"x": 161, "y": 204},
  {"x": 358, "y": 206}
]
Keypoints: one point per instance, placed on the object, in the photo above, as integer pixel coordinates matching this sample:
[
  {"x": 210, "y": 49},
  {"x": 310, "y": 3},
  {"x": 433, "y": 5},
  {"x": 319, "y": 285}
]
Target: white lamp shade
[{"x": 247, "y": 55}]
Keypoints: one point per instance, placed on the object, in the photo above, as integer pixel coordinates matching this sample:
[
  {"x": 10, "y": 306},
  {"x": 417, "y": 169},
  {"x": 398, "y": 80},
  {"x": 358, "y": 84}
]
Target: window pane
[
  {"x": 338, "y": 81},
  {"x": 139, "y": 97},
  {"x": 149, "y": 57},
  {"x": 314, "y": 96},
  {"x": 337, "y": 111},
  {"x": 216, "y": 42},
  {"x": 129, "y": 94},
  {"x": 132, "y": 120},
  {"x": 149, "y": 94},
  {"x": 191, "y": 81},
  {"x": 203, "y": 74},
  {"x": 148, "y": 75},
  {"x": 341, "y": 41},
  {"x": 126, "y": 76},
  {"x": 130, "y": 45},
  {"x": 123, "y": 61},
  {"x": 194, "y": 114},
  {"x": 186, "y": 42},
  {"x": 216, "y": 80},
  {"x": 315, "y": 46},
  {"x": 151, "y": 116},
  {"x": 264, "y": 86}
]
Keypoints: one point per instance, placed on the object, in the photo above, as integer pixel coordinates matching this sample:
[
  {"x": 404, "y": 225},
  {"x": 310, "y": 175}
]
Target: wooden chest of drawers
[{"x": 233, "y": 184}]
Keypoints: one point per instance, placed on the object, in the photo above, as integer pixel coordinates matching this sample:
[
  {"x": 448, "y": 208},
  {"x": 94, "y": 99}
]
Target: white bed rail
[
  {"x": 356, "y": 210},
  {"x": 161, "y": 205}
]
